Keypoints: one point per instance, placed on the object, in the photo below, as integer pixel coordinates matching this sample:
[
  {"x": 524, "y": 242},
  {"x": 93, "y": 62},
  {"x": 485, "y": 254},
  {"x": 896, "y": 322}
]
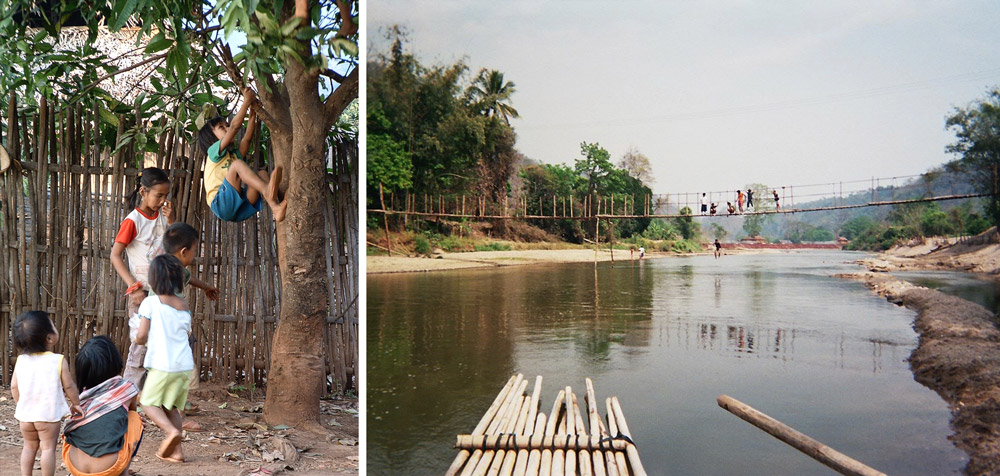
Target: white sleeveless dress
[{"x": 39, "y": 387}]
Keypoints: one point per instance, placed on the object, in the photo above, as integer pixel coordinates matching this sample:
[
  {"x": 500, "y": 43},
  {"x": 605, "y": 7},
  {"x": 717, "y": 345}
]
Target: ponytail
[{"x": 149, "y": 177}]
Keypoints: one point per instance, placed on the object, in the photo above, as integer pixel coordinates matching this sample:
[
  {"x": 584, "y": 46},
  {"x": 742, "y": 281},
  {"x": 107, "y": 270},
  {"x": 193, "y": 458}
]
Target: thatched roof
[{"x": 122, "y": 50}]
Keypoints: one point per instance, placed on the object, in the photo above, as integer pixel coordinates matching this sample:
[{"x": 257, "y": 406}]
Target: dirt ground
[
  {"x": 958, "y": 356},
  {"x": 235, "y": 441}
]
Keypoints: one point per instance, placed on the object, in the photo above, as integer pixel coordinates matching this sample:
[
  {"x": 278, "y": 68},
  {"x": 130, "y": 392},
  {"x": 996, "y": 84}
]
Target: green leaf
[
  {"x": 267, "y": 21},
  {"x": 307, "y": 33},
  {"x": 344, "y": 46},
  {"x": 159, "y": 42},
  {"x": 289, "y": 51},
  {"x": 122, "y": 11},
  {"x": 290, "y": 26},
  {"x": 38, "y": 36}
]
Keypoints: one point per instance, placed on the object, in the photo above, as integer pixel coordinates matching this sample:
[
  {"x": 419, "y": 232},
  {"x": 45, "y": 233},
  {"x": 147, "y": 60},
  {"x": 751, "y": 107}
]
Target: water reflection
[{"x": 666, "y": 336}]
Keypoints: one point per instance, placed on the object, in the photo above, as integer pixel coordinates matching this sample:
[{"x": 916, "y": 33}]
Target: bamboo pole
[
  {"x": 507, "y": 419},
  {"x": 550, "y": 431},
  {"x": 585, "y": 465},
  {"x": 500, "y": 414},
  {"x": 570, "y": 430},
  {"x": 597, "y": 428},
  {"x": 620, "y": 463},
  {"x": 505, "y": 465},
  {"x": 630, "y": 450},
  {"x": 463, "y": 455},
  {"x": 495, "y": 458},
  {"x": 840, "y": 462},
  {"x": 535, "y": 455}
]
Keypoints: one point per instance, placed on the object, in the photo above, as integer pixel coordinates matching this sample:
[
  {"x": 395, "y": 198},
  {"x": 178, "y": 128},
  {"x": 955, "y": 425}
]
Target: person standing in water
[{"x": 718, "y": 248}]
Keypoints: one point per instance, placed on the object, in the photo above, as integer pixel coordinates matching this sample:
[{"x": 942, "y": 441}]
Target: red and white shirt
[{"x": 142, "y": 236}]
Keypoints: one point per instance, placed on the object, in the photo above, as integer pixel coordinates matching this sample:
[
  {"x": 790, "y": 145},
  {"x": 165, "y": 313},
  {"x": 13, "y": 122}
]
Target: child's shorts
[
  {"x": 165, "y": 389},
  {"x": 134, "y": 371},
  {"x": 133, "y": 436},
  {"x": 230, "y": 204}
]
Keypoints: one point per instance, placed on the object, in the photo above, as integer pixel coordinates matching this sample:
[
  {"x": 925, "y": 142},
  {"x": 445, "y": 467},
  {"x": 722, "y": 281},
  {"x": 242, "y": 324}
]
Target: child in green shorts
[{"x": 164, "y": 327}]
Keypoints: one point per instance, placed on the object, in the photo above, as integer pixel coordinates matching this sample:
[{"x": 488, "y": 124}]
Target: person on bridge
[
  {"x": 704, "y": 203},
  {"x": 730, "y": 208},
  {"x": 739, "y": 200},
  {"x": 749, "y": 198},
  {"x": 711, "y": 210},
  {"x": 776, "y": 205}
]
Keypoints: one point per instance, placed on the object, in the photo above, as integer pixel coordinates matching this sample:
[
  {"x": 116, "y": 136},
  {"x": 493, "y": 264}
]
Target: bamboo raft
[{"x": 514, "y": 438}]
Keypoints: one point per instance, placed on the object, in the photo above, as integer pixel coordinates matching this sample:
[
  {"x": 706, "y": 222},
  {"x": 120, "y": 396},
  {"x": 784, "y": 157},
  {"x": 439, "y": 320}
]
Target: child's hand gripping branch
[{"x": 233, "y": 189}]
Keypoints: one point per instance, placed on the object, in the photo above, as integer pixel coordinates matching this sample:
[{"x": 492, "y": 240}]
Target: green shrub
[
  {"x": 421, "y": 245},
  {"x": 494, "y": 246},
  {"x": 452, "y": 243}
]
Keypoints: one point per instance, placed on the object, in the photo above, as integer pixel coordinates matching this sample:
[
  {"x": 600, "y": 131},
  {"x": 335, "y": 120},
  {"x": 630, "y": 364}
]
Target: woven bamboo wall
[{"x": 62, "y": 201}]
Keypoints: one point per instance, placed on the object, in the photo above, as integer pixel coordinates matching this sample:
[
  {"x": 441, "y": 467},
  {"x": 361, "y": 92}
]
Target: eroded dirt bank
[{"x": 958, "y": 356}]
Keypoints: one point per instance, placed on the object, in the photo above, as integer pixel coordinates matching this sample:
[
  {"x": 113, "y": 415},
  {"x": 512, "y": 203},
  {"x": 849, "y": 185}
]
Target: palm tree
[{"x": 491, "y": 95}]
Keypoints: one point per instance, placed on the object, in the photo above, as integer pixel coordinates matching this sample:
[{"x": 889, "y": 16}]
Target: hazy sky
[{"x": 721, "y": 94}]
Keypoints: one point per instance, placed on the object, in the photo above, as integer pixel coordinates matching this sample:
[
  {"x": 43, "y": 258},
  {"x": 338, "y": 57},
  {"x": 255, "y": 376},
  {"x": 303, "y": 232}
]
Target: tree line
[{"x": 437, "y": 130}]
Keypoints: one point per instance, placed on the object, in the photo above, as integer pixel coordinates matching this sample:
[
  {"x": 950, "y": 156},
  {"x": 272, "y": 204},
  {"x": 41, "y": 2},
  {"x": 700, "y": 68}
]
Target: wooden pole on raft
[
  {"x": 586, "y": 466},
  {"x": 620, "y": 463},
  {"x": 550, "y": 431},
  {"x": 840, "y": 462},
  {"x": 535, "y": 455},
  {"x": 570, "y": 421},
  {"x": 505, "y": 425},
  {"x": 597, "y": 428},
  {"x": 493, "y": 424},
  {"x": 463, "y": 455},
  {"x": 630, "y": 450}
]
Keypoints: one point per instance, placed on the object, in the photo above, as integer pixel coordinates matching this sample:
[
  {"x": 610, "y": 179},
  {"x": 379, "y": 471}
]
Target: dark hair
[
  {"x": 206, "y": 135},
  {"x": 97, "y": 361},
  {"x": 166, "y": 275},
  {"x": 178, "y": 236},
  {"x": 150, "y": 177},
  {"x": 30, "y": 331}
]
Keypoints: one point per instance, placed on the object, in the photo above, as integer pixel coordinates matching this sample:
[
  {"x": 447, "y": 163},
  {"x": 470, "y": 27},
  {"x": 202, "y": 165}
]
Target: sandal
[{"x": 192, "y": 426}]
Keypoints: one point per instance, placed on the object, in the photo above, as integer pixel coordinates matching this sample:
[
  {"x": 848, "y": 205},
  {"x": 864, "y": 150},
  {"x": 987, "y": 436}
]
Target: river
[{"x": 667, "y": 336}]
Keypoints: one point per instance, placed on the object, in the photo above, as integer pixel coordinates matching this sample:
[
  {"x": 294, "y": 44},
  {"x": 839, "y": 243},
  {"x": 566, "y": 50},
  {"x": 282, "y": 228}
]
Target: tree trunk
[{"x": 296, "y": 378}]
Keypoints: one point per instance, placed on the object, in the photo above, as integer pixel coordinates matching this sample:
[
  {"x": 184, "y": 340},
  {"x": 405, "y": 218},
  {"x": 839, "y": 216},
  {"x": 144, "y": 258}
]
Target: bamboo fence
[
  {"x": 61, "y": 203},
  {"x": 514, "y": 438}
]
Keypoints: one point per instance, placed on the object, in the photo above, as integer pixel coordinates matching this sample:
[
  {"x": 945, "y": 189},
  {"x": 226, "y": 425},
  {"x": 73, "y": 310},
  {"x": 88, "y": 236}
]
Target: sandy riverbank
[
  {"x": 958, "y": 356},
  {"x": 488, "y": 259},
  {"x": 978, "y": 254}
]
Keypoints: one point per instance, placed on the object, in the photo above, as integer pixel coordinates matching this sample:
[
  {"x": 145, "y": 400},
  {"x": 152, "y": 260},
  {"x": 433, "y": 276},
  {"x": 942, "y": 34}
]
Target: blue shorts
[{"x": 232, "y": 205}]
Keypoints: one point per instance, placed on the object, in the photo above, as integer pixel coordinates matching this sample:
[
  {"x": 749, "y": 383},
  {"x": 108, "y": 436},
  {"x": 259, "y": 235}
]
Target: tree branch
[
  {"x": 333, "y": 74},
  {"x": 113, "y": 74},
  {"x": 347, "y": 25},
  {"x": 341, "y": 97}
]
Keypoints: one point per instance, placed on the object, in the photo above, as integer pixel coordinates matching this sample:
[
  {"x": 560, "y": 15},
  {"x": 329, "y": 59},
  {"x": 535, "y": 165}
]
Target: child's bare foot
[
  {"x": 279, "y": 210},
  {"x": 170, "y": 449},
  {"x": 273, "y": 184}
]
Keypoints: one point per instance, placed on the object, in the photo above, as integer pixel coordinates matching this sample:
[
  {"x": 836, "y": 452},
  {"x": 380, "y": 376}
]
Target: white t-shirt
[
  {"x": 39, "y": 388},
  {"x": 167, "y": 348}
]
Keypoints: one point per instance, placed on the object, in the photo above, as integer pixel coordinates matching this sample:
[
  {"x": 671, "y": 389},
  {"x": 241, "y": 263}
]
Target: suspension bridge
[{"x": 874, "y": 192}]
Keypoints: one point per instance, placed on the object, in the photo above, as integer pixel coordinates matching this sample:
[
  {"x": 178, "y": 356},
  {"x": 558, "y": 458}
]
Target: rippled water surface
[{"x": 667, "y": 336}]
